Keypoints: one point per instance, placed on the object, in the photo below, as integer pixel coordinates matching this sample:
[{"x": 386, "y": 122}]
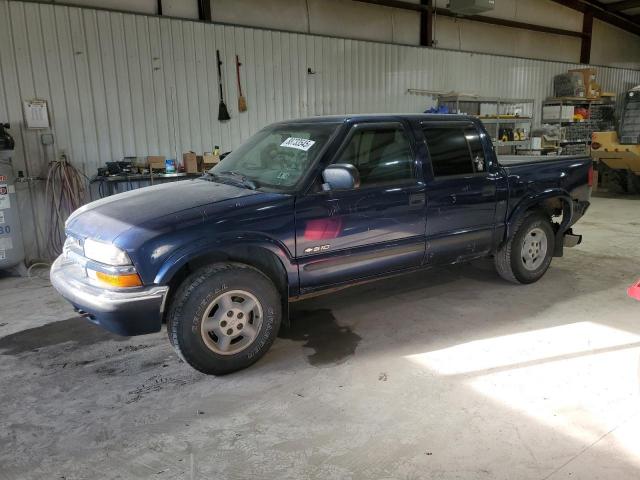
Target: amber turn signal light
[{"x": 123, "y": 281}]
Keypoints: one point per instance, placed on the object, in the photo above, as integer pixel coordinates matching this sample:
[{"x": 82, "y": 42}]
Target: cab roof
[{"x": 380, "y": 117}]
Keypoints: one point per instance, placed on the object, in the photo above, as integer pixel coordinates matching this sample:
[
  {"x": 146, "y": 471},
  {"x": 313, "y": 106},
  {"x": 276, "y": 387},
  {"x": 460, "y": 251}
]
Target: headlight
[{"x": 105, "y": 253}]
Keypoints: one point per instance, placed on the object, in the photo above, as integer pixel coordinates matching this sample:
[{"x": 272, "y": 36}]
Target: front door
[
  {"x": 461, "y": 194},
  {"x": 376, "y": 228}
]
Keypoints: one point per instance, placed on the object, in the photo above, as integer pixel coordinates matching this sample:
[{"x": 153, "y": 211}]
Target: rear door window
[
  {"x": 449, "y": 151},
  {"x": 477, "y": 152},
  {"x": 455, "y": 150}
]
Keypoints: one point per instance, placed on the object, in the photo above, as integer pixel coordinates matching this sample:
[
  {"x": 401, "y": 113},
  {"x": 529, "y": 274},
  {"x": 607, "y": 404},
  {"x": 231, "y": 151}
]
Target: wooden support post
[
  {"x": 587, "y": 28},
  {"x": 426, "y": 24},
  {"x": 204, "y": 10}
]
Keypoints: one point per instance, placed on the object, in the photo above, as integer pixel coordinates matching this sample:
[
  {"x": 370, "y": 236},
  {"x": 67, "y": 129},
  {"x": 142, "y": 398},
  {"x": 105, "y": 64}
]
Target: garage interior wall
[
  {"x": 133, "y": 85},
  {"x": 348, "y": 18},
  {"x": 611, "y": 46}
]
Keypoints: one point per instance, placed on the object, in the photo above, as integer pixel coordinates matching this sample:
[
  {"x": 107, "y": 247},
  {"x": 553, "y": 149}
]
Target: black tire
[
  {"x": 509, "y": 260},
  {"x": 192, "y": 301}
]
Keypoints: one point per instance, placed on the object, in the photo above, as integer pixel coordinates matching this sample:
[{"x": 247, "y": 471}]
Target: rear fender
[{"x": 541, "y": 201}]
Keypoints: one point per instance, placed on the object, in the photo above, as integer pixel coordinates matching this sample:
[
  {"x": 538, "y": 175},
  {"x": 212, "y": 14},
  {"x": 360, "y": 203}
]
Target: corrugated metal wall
[{"x": 126, "y": 85}]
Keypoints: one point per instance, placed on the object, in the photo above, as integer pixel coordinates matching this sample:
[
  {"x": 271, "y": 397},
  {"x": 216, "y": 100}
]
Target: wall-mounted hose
[{"x": 65, "y": 192}]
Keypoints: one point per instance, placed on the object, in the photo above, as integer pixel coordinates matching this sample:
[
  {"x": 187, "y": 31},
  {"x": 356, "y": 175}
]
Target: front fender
[{"x": 185, "y": 253}]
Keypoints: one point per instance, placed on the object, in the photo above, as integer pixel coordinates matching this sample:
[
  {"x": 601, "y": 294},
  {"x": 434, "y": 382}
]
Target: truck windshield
[{"x": 276, "y": 157}]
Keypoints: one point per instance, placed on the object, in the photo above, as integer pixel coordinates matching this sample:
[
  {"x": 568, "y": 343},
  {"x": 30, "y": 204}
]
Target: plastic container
[
  {"x": 634, "y": 290},
  {"x": 11, "y": 244}
]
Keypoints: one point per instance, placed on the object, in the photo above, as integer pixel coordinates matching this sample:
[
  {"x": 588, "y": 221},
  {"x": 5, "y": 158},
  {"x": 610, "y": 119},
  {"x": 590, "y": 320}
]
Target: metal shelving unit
[
  {"x": 512, "y": 143},
  {"x": 496, "y": 113},
  {"x": 577, "y": 133}
]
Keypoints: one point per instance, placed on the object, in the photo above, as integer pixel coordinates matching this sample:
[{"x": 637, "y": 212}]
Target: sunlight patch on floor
[
  {"x": 526, "y": 347},
  {"x": 581, "y": 379}
]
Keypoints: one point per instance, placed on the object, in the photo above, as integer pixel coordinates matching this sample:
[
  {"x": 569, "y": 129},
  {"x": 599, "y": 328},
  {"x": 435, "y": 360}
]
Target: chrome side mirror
[{"x": 341, "y": 176}]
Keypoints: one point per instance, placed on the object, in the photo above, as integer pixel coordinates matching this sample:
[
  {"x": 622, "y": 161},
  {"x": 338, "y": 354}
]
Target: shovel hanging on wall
[{"x": 223, "y": 112}]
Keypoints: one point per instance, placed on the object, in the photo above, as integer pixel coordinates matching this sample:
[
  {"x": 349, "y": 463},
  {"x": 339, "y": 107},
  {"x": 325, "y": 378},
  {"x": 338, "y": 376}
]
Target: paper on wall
[{"x": 36, "y": 114}]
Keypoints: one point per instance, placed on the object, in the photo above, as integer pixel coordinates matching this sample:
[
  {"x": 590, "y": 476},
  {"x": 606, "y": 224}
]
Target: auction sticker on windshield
[{"x": 298, "y": 143}]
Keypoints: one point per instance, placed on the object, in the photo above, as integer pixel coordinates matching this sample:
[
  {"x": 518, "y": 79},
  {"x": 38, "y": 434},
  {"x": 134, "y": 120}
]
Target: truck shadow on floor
[
  {"x": 76, "y": 329},
  {"x": 332, "y": 343},
  {"x": 315, "y": 324}
]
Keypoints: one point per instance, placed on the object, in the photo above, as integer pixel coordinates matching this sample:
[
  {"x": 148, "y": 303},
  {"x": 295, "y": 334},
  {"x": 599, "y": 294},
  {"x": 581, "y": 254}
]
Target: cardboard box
[
  {"x": 592, "y": 89},
  {"x": 568, "y": 111},
  {"x": 488, "y": 109},
  {"x": 156, "y": 162},
  {"x": 550, "y": 141},
  {"x": 557, "y": 112},
  {"x": 209, "y": 160},
  {"x": 190, "y": 162},
  {"x": 551, "y": 112}
]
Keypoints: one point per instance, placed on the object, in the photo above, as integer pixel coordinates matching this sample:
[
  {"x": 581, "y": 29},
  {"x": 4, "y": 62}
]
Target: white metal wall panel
[{"x": 131, "y": 85}]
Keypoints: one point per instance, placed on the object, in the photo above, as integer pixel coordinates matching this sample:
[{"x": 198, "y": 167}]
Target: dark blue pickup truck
[{"x": 305, "y": 207}]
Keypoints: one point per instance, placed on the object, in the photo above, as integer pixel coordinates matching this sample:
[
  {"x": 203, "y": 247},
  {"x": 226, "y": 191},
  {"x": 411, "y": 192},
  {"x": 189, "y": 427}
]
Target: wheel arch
[
  {"x": 265, "y": 257},
  {"x": 551, "y": 202}
]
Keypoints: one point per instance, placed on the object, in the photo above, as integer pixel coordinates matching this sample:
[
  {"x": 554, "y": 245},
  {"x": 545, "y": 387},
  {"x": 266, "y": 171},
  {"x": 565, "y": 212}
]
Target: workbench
[{"x": 112, "y": 184}]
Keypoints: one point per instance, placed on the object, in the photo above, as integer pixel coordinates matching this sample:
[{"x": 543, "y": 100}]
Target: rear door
[
  {"x": 379, "y": 227},
  {"x": 461, "y": 193}
]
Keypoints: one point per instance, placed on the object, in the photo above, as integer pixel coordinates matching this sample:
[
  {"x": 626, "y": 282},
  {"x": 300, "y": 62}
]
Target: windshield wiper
[
  {"x": 239, "y": 178},
  {"x": 211, "y": 177}
]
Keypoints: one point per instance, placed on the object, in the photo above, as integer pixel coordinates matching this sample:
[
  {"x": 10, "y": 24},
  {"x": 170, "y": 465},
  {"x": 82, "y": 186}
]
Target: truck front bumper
[{"x": 134, "y": 311}]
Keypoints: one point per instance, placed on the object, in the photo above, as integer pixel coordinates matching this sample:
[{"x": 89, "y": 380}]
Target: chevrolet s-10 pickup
[{"x": 307, "y": 207}]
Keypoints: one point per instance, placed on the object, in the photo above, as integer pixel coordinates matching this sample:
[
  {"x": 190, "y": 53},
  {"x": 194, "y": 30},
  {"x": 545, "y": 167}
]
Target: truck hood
[{"x": 107, "y": 218}]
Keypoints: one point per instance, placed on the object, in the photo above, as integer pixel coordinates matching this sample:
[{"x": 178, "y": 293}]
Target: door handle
[
  {"x": 453, "y": 198},
  {"x": 488, "y": 189}
]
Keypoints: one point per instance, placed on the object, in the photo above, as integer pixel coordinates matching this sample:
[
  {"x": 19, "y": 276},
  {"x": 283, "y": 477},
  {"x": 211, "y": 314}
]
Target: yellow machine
[
  {"x": 618, "y": 153},
  {"x": 606, "y": 148}
]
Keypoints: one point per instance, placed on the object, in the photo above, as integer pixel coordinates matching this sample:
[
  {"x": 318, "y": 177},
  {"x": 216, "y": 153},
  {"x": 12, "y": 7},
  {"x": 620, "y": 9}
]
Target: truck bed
[
  {"x": 508, "y": 160},
  {"x": 531, "y": 175}
]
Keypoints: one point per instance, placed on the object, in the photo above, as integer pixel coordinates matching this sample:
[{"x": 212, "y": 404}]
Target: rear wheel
[
  {"x": 526, "y": 256},
  {"x": 224, "y": 317}
]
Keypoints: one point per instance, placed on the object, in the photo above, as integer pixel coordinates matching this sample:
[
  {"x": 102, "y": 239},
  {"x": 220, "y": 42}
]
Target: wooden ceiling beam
[
  {"x": 620, "y": 6},
  {"x": 600, "y": 12}
]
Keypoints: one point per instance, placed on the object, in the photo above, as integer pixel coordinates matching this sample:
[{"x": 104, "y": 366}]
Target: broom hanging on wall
[
  {"x": 223, "y": 112},
  {"x": 242, "y": 102}
]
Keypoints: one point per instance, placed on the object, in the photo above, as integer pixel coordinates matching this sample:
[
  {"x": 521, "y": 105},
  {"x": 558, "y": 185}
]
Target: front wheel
[
  {"x": 224, "y": 317},
  {"x": 526, "y": 256}
]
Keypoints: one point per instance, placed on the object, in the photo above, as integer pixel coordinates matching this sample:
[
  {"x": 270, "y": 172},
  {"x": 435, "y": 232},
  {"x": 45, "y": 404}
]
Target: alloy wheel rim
[{"x": 231, "y": 322}]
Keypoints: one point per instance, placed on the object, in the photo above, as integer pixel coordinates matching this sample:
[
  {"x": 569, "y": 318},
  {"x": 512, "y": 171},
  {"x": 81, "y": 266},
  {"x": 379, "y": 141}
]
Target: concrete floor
[{"x": 448, "y": 374}]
